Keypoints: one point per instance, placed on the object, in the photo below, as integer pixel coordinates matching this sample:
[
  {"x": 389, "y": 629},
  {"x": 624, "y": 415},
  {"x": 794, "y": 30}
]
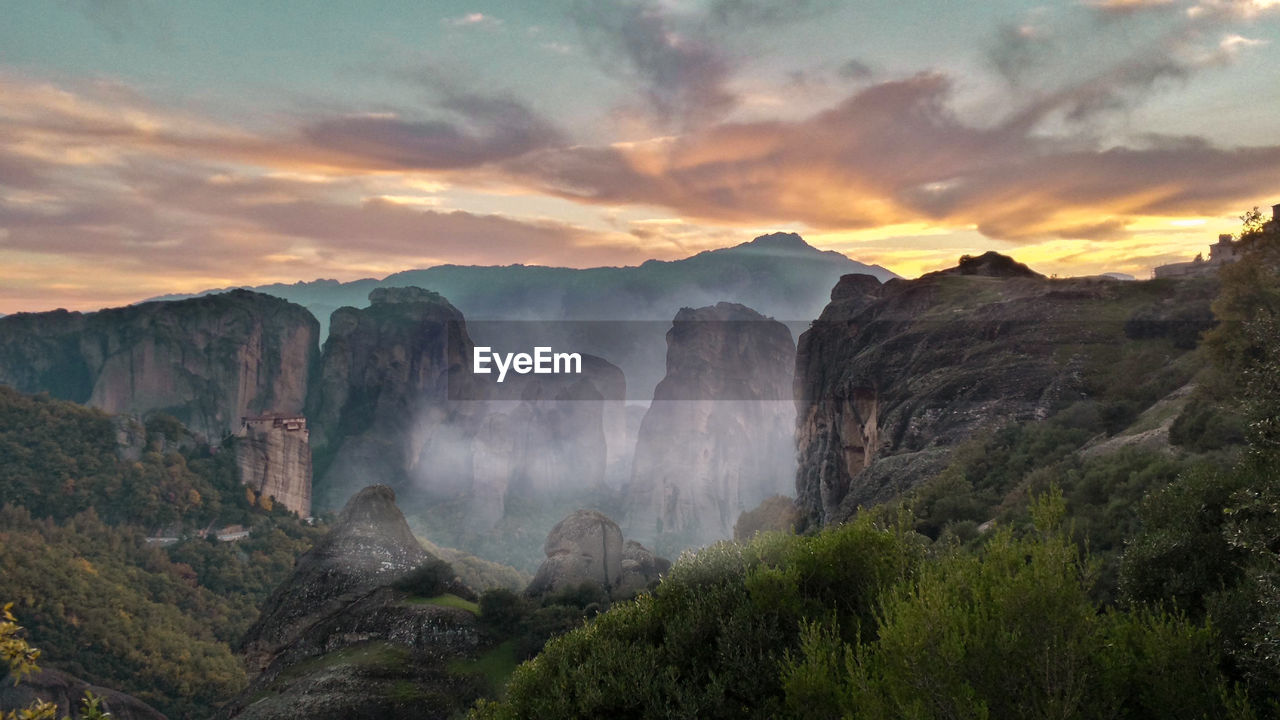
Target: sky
[{"x": 160, "y": 146}]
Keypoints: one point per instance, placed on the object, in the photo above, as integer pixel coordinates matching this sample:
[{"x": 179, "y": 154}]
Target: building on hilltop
[
  {"x": 273, "y": 453},
  {"x": 1223, "y": 252}
]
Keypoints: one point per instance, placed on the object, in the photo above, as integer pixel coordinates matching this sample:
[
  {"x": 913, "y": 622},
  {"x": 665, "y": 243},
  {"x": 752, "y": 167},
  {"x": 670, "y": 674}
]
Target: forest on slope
[{"x": 156, "y": 621}]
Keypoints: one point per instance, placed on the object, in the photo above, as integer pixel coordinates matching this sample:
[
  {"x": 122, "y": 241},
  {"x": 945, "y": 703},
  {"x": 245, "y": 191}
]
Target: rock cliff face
[
  {"x": 892, "y": 377},
  {"x": 395, "y": 402},
  {"x": 717, "y": 439},
  {"x": 207, "y": 361},
  {"x": 340, "y": 639},
  {"x": 274, "y": 457}
]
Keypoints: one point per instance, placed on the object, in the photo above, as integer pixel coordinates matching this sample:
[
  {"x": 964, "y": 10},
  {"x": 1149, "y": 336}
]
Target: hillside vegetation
[
  {"x": 1137, "y": 582},
  {"x": 155, "y": 621}
]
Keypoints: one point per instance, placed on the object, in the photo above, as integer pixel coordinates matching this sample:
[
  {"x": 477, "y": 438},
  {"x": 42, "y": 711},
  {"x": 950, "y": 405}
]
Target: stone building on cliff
[
  {"x": 1223, "y": 252},
  {"x": 273, "y": 453}
]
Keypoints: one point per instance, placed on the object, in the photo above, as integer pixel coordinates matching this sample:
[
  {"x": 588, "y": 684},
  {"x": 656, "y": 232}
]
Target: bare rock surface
[
  {"x": 587, "y": 547},
  {"x": 208, "y": 361},
  {"x": 584, "y": 547},
  {"x": 717, "y": 438}
]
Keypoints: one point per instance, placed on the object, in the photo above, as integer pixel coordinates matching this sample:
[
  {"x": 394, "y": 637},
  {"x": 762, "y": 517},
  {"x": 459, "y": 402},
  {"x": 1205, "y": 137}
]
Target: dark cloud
[
  {"x": 895, "y": 152},
  {"x": 683, "y": 76},
  {"x": 478, "y": 129},
  {"x": 854, "y": 69},
  {"x": 1076, "y": 69}
]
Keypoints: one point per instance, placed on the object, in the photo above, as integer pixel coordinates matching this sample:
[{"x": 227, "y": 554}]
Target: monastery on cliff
[{"x": 1223, "y": 252}]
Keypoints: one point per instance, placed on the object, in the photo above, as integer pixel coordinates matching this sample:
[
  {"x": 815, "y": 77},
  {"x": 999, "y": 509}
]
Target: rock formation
[
  {"x": 584, "y": 547},
  {"x": 395, "y": 402},
  {"x": 343, "y": 638},
  {"x": 777, "y": 274},
  {"x": 208, "y": 361},
  {"x": 370, "y": 546},
  {"x": 717, "y": 438},
  {"x": 587, "y": 547},
  {"x": 641, "y": 570},
  {"x": 67, "y": 692},
  {"x": 273, "y": 454},
  {"x": 892, "y": 377}
]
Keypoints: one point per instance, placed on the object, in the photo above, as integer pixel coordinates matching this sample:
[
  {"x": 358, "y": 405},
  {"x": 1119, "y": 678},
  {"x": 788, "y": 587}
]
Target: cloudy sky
[{"x": 151, "y": 146}]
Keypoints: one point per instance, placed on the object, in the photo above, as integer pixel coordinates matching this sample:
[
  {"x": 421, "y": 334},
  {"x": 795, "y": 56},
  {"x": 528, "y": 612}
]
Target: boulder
[
  {"x": 641, "y": 570},
  {"x": 584, "y": 547}
]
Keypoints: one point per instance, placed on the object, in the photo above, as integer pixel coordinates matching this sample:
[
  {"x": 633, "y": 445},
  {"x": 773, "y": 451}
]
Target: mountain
[
  {"x": 207, "y": 361},
  {"x": 776, "y": 274},
  {"x": 893, "y": 378},
  {"x": 716, "y": 440},
  {"x": 618, "y": 313}
]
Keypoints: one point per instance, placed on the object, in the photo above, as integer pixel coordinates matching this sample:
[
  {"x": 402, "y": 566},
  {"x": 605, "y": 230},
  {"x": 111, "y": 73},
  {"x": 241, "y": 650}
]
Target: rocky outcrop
[
  {"x": 584, "y": 547},
  {"x": 208, "y": 361},
  {"x": 398, "y": 403},
  {"x": 990, "y": 264},
  {"x": 273, "y": 454},
  {"x": 370, "y": 546},
  {"x": 348, "y": 637},
  {"x": 67, "y": 692},
  {"x": 717, "y": 438},
  {"x": 892, "y": 377},
  {"x": 587, "y": 547},
  {"x": 395, "y": 402},
  {"x": 641, "y": 570}
]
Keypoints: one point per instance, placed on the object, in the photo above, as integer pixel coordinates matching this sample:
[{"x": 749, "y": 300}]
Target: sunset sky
[{"x": 155, "y": 146}]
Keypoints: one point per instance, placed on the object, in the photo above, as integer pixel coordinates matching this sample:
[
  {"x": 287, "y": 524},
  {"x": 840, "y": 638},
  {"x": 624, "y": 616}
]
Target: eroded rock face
[
  {"x": 892, "y": 377},
  {"x": 395, "y": 402},
  {"x": 67, "y": 692},
  {"x": 370, "y": 546},
  {"x": 274, "y": 457},
  {"x": 717, "y": 438},
  {"x": 208, "y": 361},
  {"x": 584, "y": 547}
]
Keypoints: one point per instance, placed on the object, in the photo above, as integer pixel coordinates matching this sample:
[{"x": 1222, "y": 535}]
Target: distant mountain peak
[{"x": 780, "y": 241}]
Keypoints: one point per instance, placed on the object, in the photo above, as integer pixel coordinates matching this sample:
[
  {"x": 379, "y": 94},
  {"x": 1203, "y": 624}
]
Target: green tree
[{"x": 21, "y": 659}]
